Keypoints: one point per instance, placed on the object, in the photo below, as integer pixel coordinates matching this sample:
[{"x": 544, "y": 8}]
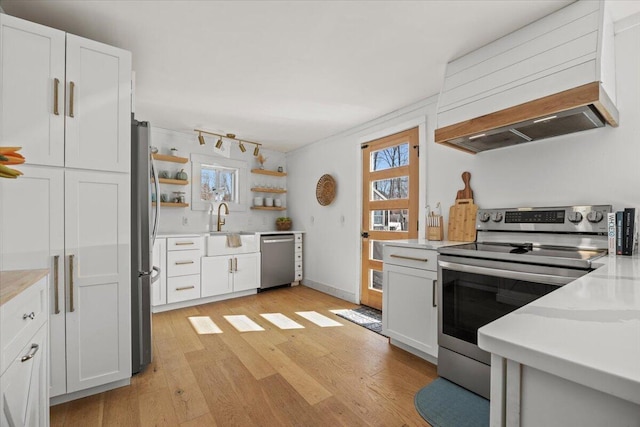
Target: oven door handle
[{"x": 547, "y": 279}]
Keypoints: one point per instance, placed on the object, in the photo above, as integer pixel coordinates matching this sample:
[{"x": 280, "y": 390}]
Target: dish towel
[{"x": 234, "y": 241}]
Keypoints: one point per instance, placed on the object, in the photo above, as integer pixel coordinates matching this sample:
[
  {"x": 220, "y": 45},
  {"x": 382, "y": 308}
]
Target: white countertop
[
  {"x": 206, "y": 233},
  {"x": 587, "y": 331},
  {"x": 422, "y": 243}
]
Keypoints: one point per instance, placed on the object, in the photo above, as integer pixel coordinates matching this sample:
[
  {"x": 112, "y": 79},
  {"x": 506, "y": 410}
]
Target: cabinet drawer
[
  {"x": 183, "y": 288},
  {"x": 411, "y": 257},
  {"x": 20, "y": 319},
  {"x": 183, "y": 263},
  {"x": 184, "y": 243},
  {"x": 298, "y": 246},
  {"x": 298, "y": 238}
]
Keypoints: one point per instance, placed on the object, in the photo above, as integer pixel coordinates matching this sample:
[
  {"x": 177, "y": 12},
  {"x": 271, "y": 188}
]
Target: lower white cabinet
[
  {"x": 409, "y": 311},
  {"x": 183, "y": 268},
  {"x": 230, "y": 273},
  {"x": 159, "y": 287}
]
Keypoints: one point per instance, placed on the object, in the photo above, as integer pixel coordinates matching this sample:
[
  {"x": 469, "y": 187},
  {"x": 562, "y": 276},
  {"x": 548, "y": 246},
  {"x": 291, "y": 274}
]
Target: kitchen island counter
[{"x": 586, "y": 332}]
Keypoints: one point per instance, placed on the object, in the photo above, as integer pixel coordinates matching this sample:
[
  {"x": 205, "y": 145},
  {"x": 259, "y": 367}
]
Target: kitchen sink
[{"x": 217, "y": 243}]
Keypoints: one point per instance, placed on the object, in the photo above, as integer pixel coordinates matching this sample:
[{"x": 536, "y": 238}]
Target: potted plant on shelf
[{"x": 283, "y": 223}]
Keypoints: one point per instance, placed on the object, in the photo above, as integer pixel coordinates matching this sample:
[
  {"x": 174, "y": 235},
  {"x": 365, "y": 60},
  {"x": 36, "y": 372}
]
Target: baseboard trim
[
  {"x": 338, "y": 293},
  {"x": 63, "y": 398},
  {"x": 200, "y": 301}
]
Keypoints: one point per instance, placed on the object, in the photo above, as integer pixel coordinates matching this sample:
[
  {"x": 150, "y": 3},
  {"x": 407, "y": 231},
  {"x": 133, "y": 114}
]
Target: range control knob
[
  {"x": 484, "y": 216},
  {"x": 497, "y": 216},
  {"x": 575, "y": 217},
  {"x": 594, "y": 216}
]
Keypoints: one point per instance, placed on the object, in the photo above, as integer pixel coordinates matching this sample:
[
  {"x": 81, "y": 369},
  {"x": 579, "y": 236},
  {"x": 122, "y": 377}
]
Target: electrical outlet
[{"x": 185, "y": 220}]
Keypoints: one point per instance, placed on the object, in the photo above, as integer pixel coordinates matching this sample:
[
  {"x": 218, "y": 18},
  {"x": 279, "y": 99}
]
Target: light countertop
[
  {"x": 422, "y": 243},
  {"x": 12, "y": 283},
  {"x": 206, "y": 233},
  {"x": 588, "y": 331}
]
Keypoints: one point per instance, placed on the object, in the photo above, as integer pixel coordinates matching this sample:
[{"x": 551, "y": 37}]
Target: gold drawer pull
[
  {"x": 32, "y": 352},
  {"x": 184, "y": 262},
  {"x": 184, "y": 243},
  {"x": 184, "y": 288},
  {"x": 56, "y": 291},
  {"x": 71, "y": 307},
  {"x": 409, "y": 258},
  {"x": 56, "y": 85},
  {"x": 72, "y": 87}
]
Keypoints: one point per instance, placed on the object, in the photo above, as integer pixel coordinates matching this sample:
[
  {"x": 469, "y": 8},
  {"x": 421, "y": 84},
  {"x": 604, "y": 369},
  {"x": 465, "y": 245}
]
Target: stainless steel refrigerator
[{"x": 144, "y": 228}]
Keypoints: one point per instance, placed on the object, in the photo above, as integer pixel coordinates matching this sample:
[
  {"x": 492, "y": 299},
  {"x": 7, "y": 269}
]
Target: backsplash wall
[{"x": 185, "y": 220}]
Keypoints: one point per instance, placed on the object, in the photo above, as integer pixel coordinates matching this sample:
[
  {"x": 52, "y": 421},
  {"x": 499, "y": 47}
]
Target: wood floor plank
[
  {"x": 85, "y": 412},
  {"x": 205, "y": 420},
  {"x": 121, "y": 408},
  {"x": 156, "y": 409}
]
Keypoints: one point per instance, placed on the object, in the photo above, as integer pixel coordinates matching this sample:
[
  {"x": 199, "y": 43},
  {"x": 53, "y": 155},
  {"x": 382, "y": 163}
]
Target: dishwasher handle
[{"x": 277, "y": 241}]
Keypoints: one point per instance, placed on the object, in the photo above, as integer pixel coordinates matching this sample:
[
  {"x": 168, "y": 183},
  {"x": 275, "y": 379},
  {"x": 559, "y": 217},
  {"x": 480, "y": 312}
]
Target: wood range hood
[{"x": 573, "y": 110}]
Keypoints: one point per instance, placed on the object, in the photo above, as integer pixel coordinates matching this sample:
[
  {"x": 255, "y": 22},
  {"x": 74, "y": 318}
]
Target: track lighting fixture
[{"x": 256, "y": 150}]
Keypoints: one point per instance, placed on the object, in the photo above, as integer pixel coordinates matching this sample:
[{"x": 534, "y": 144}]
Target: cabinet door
[
  {"x": 408, "y": 314},
  {"x": 32, "y": 58},
  {"x": 23, "y": 387},
  {"x": 246, "y": 268},
  {"x": 159, "y": 287},
  {"x": 98, "y": 122},
  {"x": 32, "y": 231},
  {"x": 97, "y": 237},
  {"x": 215, "y": 278}
]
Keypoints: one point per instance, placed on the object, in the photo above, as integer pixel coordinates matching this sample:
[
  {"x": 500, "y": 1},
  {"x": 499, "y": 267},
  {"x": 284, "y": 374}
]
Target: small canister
[
  {"x": 257, "y": 201},
  {"x": 268, "y": 202}
]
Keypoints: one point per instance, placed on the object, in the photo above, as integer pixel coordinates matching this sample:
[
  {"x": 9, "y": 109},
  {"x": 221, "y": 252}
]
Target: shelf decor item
[
  {"x": 283, "y": 223},
  {"x": 182, "y": 175},
  {"x": 326, "y": 190},
  {"x": 10, "y": 156},
  {"x": 174, "y": 152},
  {"x": 262, "y": 160}
]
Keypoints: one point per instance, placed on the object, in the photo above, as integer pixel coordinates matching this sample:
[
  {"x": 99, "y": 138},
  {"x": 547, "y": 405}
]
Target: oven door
[{"x": 474, "y": 292}]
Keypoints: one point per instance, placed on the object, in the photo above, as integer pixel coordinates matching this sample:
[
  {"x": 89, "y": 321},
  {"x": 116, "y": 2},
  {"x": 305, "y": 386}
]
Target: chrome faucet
[{"x": 221, "y": 220}]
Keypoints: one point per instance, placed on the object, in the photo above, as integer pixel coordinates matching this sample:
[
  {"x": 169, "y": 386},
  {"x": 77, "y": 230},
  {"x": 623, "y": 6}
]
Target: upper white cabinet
[{"x": 65, "y": 99}]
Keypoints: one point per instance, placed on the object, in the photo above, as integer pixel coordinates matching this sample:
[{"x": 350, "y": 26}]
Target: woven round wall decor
[{"x": 326, "y": 190}]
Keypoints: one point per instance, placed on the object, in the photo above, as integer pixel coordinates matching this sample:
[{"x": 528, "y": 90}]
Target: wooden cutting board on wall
[{"x": 462, "y": 215}]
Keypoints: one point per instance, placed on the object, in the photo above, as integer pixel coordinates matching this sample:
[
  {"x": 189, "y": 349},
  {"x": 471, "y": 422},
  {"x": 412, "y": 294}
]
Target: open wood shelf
[
  {"x": 267, "y": 172},
  {"x": 173, "y": 181},
  {"x": 265, "y": 208},
  {"x": 166, "y": 158},
  {"x": 267, "y": 190},
  {"x": 172, "y": 205}
]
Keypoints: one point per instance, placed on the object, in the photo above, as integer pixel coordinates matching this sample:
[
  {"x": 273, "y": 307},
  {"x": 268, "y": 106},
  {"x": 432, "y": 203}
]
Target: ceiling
[{"x": 286, "y": 73}]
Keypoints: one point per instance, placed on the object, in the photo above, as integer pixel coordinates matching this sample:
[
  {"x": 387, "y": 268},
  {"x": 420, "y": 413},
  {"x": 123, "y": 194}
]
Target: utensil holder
[{"x": 435, "y": 228}]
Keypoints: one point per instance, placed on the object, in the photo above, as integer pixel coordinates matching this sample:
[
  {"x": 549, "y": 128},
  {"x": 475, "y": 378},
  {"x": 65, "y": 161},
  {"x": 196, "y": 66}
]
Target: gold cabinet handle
[
  {"x": 71, "y": 307},
  {"x": 184, "y": 262},
  {"x": 184, "y": 288},
  {"x": 56, "y": 290},
  {"x": 32, "y": 352},
  {"x": 72, "y": 87},
  {"x": 56, "y": 86},
  {"x": 230, "y": 265},
  {"x": 184, "y": 243},
  {"x": 235, "y": 261},
  {"x": 409, "y": 258}
]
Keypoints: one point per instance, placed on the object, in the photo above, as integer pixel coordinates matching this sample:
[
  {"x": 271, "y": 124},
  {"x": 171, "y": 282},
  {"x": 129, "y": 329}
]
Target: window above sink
[{"x": 217, "y": 179}]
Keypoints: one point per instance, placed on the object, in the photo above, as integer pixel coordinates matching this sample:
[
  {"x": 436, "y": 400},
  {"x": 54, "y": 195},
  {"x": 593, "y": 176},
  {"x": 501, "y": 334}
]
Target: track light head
[
  {"x": 219, "y": 143},
  {"x": 241, "y": 146},
  {"x": 201, "y": 139},
  {"x": 256, "y": 151}
]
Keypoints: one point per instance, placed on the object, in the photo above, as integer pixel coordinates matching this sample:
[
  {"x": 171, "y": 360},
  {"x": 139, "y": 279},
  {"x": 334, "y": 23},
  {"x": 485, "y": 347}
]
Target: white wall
[
  {"x": 592, "y": 167},
  {"x": 171, "y": 219}
]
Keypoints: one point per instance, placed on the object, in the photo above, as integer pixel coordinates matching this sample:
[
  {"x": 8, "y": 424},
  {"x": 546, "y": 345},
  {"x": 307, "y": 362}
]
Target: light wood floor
[{"x": 340, "y": 376}]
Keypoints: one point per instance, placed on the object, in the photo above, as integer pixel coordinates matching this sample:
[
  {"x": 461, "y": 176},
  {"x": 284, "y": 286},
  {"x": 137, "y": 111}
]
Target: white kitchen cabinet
[
  {"x": 298, "y": 257},
  {"x": 183, "y": 268},
  {"x": 24, "y": 394},
  {"x": 409, "y": 302},
  {"x": 159, "y": 287},
  {"x": 55, "y": 215},
  {"x": 230, "y": 273},
  {"x": 65, "y": 99}
]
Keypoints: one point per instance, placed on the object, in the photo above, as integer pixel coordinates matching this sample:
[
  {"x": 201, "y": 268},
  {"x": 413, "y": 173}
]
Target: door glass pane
[
  {"x": 375, "y": 280},
  {"x": 391, "y": 157},
  {"x": 375, "y": 250},
  {"x": 390, "y": 220},
  {"x": 392, "y": 188}
]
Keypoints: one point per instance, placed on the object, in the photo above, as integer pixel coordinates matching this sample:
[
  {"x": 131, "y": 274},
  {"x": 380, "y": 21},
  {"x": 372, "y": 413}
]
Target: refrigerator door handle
[
  {"x": 157, "y": 276},
  {"x": 156, "y": 218}
]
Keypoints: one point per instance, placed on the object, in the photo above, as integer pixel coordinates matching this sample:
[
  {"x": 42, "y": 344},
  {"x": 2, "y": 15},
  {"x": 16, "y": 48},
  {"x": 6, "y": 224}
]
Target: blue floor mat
[{"x": 445, "y": 404}]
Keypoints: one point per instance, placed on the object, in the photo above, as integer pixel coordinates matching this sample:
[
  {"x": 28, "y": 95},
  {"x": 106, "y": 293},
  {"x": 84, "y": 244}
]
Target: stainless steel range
[{"x": 520, "y": 255}]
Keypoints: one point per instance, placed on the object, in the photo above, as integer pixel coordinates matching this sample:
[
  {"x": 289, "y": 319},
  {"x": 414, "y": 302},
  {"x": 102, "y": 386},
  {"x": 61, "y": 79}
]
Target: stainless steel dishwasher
[{"x": 278, "y": 260}]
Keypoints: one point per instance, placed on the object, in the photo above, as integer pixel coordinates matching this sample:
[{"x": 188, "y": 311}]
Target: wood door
[
  {"x": 97, "y": 239},
  {"x": 98, "y": 127},
  {"x": 389, "y": 204},
  {"x": 32, "y": 62},
  {"x": 32, "y": 230}
]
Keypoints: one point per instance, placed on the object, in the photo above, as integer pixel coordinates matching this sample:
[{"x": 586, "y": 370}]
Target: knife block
[{"x": 435, "y": 228}]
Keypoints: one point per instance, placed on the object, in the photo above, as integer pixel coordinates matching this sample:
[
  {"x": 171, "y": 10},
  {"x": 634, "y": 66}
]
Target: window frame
[{"x": 198, "y": 160}]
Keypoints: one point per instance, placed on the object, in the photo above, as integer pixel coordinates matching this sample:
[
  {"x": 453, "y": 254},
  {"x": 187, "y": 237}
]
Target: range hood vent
[
  {"x": 552, "y": 77},
  {"x": 574, "y": 110}
]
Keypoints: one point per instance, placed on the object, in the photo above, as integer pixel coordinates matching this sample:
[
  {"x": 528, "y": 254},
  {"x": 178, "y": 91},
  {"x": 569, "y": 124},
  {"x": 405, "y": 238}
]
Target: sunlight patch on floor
[
  {"x": 282, "y": 321},
  {"x": 204, "y": 325},
  {"x": 318, "y": 319},
  {"x": 242, "y": 323}
]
